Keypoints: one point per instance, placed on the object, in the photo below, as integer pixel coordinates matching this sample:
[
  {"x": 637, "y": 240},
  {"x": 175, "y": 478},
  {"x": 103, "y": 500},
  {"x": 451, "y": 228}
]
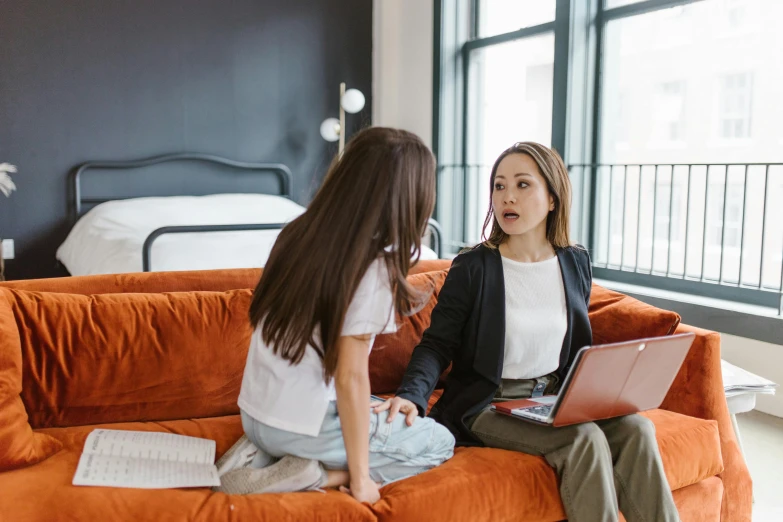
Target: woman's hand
[
  {"x": 397, "y": 405},
  {"x": 363, "y": 490}
]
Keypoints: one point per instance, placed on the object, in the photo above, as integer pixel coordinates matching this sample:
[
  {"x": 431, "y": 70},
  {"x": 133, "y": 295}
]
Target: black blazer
[{"x": 468, "y": 331}]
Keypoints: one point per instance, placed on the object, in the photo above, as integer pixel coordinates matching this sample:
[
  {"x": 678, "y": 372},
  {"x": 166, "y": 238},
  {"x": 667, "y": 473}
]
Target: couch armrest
[{"x": 698, "y": 391}]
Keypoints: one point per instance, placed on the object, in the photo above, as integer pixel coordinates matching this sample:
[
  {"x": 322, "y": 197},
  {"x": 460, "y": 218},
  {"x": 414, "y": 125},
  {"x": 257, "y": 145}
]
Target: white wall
[
  {"x": 761, "y": 358},
  {"x": 402, "y": 65}
]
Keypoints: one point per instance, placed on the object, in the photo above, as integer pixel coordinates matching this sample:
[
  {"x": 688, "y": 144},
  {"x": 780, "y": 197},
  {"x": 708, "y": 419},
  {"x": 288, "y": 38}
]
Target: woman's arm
[
  {"x": 442, "y": 340},
  {"x": 352, "y": 383}
]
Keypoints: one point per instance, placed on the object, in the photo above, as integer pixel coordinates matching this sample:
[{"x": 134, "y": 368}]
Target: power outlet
[{"x": 8, "y": 249}]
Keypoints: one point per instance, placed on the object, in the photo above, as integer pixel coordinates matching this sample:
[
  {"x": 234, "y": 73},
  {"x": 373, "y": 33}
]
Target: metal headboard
[
  {"x": 282, "y": 172},
  {"x": 433, "y": 228}
]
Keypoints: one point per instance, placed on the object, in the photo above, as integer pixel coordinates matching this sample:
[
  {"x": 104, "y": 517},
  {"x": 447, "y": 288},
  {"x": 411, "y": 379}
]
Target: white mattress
[{"x": 109, "y": 238}]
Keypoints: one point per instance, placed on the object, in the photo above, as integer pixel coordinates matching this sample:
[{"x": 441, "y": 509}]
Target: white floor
[{"x": 762, "y": 439}]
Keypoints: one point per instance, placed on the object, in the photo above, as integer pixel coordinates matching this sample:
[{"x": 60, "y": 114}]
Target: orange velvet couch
[{"x": 165, "y": 352}]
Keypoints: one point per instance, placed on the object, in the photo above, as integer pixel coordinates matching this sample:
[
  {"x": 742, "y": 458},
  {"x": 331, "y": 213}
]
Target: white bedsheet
[{"x": 109, "y": 238}]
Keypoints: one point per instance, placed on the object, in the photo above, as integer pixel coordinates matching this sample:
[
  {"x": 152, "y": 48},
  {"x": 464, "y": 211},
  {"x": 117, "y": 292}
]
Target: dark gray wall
[{"x": 121, "y": 79}]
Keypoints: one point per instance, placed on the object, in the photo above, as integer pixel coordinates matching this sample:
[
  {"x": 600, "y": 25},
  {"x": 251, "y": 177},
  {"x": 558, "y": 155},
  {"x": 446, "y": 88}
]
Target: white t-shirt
[
  {"x": 536, "y": 320},
  {"x": 295, "y": 398}
]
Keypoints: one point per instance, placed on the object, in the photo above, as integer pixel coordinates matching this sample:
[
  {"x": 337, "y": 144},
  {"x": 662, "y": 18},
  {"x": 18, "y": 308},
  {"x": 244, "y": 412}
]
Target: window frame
[
  {"x": 579, "y": 29},
  {"x": 456, "y": 30}
]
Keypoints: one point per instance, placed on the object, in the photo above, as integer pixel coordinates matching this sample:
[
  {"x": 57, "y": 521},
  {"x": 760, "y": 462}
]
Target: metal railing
[
  {"x": 433, "y": 237},
  {"x": 714, "y": 230},
  {"x": 710, "y": 229},
  {"x": 462, "y": 200}
]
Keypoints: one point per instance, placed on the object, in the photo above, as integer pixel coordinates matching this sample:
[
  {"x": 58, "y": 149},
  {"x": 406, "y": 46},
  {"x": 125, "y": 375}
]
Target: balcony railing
[
  {"x": 714, "y": 230},
  {"x": 709, "y": 229}
]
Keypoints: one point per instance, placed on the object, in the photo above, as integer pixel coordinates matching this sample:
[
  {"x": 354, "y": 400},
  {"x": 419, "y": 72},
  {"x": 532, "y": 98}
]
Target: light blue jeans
[{"x": 397, "y": 451}]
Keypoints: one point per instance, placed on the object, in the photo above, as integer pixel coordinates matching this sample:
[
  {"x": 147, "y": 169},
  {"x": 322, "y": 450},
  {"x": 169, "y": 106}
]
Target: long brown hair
[
  {"x": 554, "y": 172},
  {"x": 375, "y": 202}
]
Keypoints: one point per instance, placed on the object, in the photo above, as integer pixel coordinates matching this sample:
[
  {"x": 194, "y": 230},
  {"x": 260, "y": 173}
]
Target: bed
[{"x": 180, "y": 212}]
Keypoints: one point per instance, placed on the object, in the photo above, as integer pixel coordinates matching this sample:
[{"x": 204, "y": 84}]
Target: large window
[
  {"x": 690, "y": 90},
  {"x": 504, "y": 16},
  {"x": 693, "y": 83},
  {"x": 510, "y": 70},
  {"x": 667, "y": 114},
  {"x": 510, "y": 96},
  {"x": 510, "y": 100}
]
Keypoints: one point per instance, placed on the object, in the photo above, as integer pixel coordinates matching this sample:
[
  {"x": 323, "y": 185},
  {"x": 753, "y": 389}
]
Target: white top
[
  {"x": 535, "y": 318},
  {"x": 295, "y": 398}
]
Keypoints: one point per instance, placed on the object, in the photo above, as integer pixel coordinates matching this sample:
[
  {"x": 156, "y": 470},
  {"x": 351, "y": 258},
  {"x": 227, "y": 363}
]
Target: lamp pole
[{"x": 342, "y": 121}]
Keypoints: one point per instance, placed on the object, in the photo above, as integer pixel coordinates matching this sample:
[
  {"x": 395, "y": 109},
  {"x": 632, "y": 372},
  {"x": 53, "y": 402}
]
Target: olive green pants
[{"x": 599, "y": 464}]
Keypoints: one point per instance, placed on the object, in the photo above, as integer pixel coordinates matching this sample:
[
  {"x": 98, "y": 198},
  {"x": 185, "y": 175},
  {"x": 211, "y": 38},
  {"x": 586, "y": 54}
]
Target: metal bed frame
[{"x": 282, "y": 172}]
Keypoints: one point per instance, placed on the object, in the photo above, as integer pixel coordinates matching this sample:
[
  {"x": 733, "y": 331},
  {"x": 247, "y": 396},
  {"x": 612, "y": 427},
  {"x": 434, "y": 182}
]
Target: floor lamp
[{"x": 332, "y": 129}]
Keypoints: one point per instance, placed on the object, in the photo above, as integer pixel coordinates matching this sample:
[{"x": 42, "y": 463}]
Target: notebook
[{"x": 149, "y": 460}]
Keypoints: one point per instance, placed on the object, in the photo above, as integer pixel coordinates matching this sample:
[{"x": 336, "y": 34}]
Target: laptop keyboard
[{"x": 544, "y": 410}]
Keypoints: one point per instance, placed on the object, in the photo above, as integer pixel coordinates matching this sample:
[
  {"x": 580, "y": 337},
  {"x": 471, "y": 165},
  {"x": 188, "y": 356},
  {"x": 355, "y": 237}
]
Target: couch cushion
[
  {"x": 19, "y": 446},
  {"x": 181, "y": 281},
  {"x": 496, "y": 485},
  {"x": 144, "y": 282},
  {"x": 392, "y": 352},
  {"x": 129, "y": 357},
  {"x": 690, "y": 447},
  {"x": 430, "y": 265},
  {"x": 44, "y": 492},
  {"x": 477, "y": 484},
  {"x": 616, "y": 317},
  {"x": 700, "y": 502}
]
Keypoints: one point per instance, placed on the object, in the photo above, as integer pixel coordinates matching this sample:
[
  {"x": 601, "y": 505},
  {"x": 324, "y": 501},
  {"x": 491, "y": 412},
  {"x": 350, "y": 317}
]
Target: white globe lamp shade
[
  {"x": 330, "y": 129},
  {"x": 352, "y": 101}
]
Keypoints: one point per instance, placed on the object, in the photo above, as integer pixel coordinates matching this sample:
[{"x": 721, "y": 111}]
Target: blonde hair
[{"x": 554, "y": 172}]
